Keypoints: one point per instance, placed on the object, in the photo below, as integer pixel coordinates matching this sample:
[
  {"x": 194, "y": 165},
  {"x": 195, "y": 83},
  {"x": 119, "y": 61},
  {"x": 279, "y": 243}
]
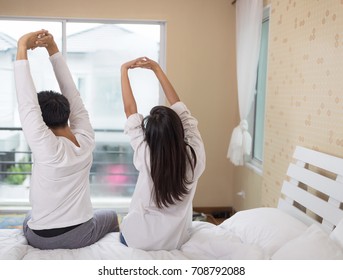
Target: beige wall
[
  {"x": 304, "y": 93},
  {"x": 200, "y": 62},
  {"x": 305, "y": 99},
  {"x": 249, "y": 182}
]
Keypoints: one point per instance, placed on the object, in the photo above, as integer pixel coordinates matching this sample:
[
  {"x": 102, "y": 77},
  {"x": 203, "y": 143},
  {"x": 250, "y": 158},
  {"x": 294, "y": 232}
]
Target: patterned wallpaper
[{"x": 305, "y": 85}]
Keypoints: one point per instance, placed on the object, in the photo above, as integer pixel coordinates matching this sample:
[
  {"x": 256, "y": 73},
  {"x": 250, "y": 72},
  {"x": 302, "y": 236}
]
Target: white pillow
[
  {"x": 212, "y": 242},
  {"x": 268, "y": 228},
  {"x": 313, "y": 244},
  {"x": 337, "y": 234}
]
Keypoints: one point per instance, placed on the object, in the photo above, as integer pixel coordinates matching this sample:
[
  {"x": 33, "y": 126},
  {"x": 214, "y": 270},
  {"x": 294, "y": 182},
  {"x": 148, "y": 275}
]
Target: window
[
  {"x": 94, "y": 52},
  {"x": 256, "y": 116}
]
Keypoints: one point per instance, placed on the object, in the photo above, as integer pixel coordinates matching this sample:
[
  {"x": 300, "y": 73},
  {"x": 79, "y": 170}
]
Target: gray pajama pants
[{"x": 103, "y": 222}]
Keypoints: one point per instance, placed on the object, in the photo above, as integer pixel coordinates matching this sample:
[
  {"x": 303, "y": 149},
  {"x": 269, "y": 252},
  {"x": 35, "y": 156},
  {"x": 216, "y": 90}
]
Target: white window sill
[
  {"x": 255, "y": 166},
  {"x": 119, "y": 204}
]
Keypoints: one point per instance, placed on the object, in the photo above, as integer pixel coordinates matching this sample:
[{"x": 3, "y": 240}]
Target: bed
[{"x": 307, "y": 224}]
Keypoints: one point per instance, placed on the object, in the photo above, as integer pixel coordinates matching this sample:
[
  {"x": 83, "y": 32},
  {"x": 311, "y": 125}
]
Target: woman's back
[
  {"x": 148, "y": 226},
  {"x": 170, "y": 157}
]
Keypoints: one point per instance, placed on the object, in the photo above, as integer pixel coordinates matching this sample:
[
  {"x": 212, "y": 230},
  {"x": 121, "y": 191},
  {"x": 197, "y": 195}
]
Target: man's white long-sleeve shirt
[{"x": 59, "y": 189}]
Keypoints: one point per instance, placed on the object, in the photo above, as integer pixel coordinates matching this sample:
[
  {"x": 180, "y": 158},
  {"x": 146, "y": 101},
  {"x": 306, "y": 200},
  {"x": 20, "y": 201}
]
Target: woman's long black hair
[{"x": 169, "y": 156}]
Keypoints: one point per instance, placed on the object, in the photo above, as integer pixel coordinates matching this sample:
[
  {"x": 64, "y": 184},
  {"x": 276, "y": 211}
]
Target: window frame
[
  {"x": 251, "y": 161},
  {"x": 123, "y": 203}
]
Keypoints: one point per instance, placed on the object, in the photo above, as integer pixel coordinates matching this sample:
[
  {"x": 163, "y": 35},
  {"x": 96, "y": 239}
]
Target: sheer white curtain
[{"x": 248, "y": 36}]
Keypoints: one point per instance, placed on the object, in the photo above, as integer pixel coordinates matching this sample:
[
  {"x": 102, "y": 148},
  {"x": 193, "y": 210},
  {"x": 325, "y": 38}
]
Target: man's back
[{"x": 59, "y": 190}]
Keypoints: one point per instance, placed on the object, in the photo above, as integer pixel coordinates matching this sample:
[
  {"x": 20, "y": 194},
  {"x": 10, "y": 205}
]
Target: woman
[{"x": 170, "y": 157}]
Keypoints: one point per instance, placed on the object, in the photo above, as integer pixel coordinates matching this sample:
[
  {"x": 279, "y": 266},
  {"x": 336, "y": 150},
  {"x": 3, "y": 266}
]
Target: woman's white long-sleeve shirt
[
  {"x": 146, "y": 226},
  {"x": 59, "y": 187}
]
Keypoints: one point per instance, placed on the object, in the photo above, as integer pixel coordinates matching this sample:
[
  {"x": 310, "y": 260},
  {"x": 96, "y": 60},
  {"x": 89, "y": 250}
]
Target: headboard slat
[
  {"x": 313, "y": 203},
  {"x": 319, "y": 182},
  {"x": 295, "y": 212},
  {"x": 322, "y": 160}
]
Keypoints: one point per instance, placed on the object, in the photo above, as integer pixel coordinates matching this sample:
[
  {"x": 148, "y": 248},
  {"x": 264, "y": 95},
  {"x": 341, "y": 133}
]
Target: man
[{"x": 60, "y": 136}]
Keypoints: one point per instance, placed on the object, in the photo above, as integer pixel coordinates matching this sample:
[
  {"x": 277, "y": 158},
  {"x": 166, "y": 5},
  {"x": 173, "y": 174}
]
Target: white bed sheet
[
  {"x": 255, "y": 234},
  {"x": 207, "y": 242}
]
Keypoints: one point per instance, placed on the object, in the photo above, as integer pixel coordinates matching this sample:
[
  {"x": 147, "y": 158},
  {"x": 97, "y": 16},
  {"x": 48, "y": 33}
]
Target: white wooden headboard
[{"x": 310, "y": 189}]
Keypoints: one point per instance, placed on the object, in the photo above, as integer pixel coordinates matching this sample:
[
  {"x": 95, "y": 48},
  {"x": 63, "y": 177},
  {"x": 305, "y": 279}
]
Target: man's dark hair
[{"x": 55, "y": 108}]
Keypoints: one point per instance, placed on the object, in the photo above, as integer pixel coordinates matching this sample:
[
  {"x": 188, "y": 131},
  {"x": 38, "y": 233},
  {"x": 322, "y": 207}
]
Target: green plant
[{"x": 17, "y": 179}]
